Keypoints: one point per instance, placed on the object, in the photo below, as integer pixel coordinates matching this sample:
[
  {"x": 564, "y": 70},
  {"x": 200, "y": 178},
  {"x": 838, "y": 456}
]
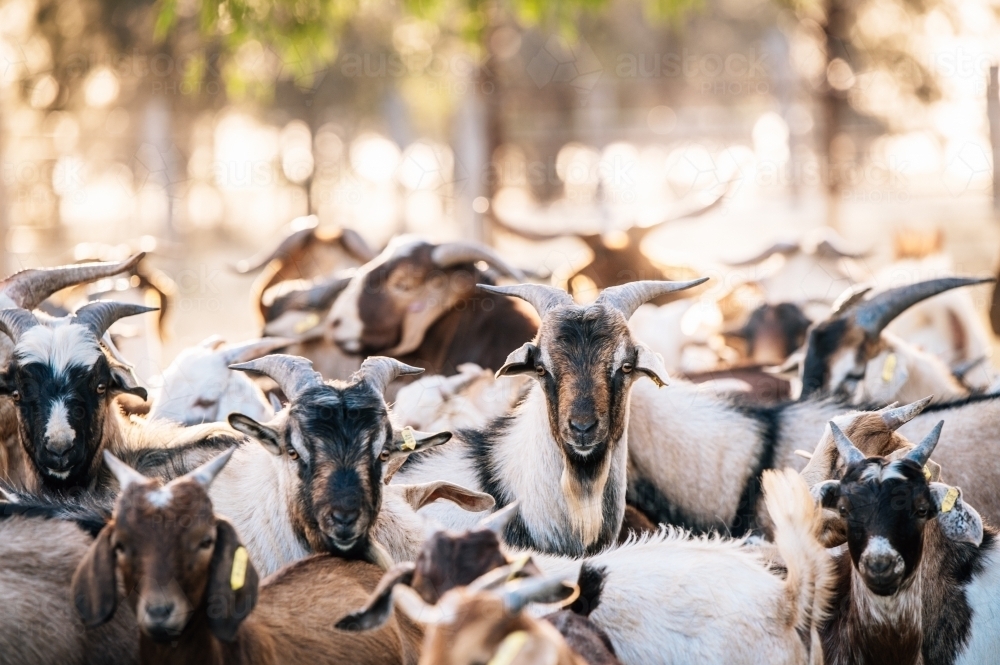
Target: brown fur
[{"x": 160, "y": 552}]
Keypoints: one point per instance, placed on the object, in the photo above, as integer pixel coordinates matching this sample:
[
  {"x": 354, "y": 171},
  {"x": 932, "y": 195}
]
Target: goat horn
[
  {"x": 380, "y": 371},
  {"x": 456, "y": 253},
  {"x": 14, "y": 322},
  {"x": 101, "y": 314},
  {"x": 522, "y": 593},
  {"x": 293, "y": 374},
  {"x": 876, "y": 313},
  {"x": 492, "y": 579},
  {"x": 848, "y": 299},
  {"x": 845, "y": 447},
  {"x": 899, "y": 416},
  {"x": 253, "y": 349},
  {"x": 206, "y": 473},
  {"x": 499, "y": 520},
  {"x": 543, "y": 298},
  {"x": 923, "y": 451},
  {"x": 777, "y": 248},
  {"x": 29, "y": 288},
  {"x": 828, "y": 249},
  {"x": 627, "y": 298},
  {"x": 416, "y": 608},
  {"x": 314, "y": 296},
  {"x": 305, "y": 229},
  {"x": 125, "y": 474}
]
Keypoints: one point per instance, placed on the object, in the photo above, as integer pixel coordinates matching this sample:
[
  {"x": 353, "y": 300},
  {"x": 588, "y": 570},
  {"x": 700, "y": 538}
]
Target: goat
[
  {"x": 197, "y": 597},
  {"x": 28, "y": 289},
  {"x": 306, "y": 252},
  {"x": 772, "y": 333},
  {"x": 617, "y": 257},
  {"x": 199, "y": 387},
  {"x": 890, "y": 576},
  {"x": 842, "y": 350},
  {"x": 667, "y": 597},
  {"x": 485, "y": 622},
  {"x": 63, "y": 383},
  {"x": 41, "y": 544},
  {"x": 562, "y": 450},
  {"x": 960, "y": 562},
  {"x": 417, "y": 302}
]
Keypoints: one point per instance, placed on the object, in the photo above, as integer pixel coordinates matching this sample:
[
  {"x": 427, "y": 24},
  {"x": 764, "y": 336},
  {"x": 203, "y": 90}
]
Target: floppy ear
[
  {"x": 95, "y": 586},
  {"x": 378, "y": 609},
  {"x": 419, "y": 496},
  {"x": 123, "y": 380},
  {"x": 651, "y": 364},
  {"x": 409, "y": 440},
  {"x": 959, "y": 522},
  {"x": 232, "y": 583},
  {"x": 520, "y": 361},
  {"x": 268, "y": 437},
  {"x": 826, "y": 493}
]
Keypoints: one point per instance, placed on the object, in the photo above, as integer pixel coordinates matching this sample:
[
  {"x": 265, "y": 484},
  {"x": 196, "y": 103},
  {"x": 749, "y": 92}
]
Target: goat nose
[
  {"x": 582, "y": 424},
  {"x": 344, "y": 519},
  {"x": 159, "y": 612},
  {"x": 880, "y": 566},
  {"x": 59, "y": 447}
]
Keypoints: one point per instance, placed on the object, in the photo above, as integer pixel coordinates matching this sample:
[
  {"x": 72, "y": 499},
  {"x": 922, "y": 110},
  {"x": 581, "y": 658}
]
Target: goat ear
[
  {"x": 378, "y": 609},
  {"x": 409, "y": 440},
  {"x": 826, "y": 493},
  {"x": 958, "y": 521},
  {"x": 232, "y": 583},
  {"x": 95, "y": 585},
  {"x": 123, "y": 380},
  {"x": 419, "y": 496},
  {"x": 651, "y": 364},
  {"x": 268, "y": 437},
  {"x": 520, "y": 361}
]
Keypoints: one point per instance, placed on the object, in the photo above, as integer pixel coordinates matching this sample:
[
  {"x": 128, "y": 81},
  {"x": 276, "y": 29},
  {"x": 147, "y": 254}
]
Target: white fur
[
  {"x": 983, "y": 595},
  {"x": 879, "y": 546},
  {"x": 58, "y": 344},
  {"x": 161, "y": 497},
  {"x": 916, "y": 375},
  {"x": 58, "y": 429}
]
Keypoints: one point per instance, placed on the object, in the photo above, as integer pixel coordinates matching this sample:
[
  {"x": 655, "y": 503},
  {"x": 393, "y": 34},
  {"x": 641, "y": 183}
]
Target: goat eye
[
  {"x": 101, "y": 388},
  {"x": 539, "y": 370},
  {"x": 842, "y": 510},
  {"x": 16, "y": 395},
  {"x": 292, "y": 453},
  {"x": 627, "y": 368},
  {"x": 206, "y": 542},
  {"x": 384, "y": 456}
]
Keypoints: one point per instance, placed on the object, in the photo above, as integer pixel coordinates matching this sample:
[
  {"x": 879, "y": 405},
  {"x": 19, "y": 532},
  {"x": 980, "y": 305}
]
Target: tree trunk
[{"x": 833, "y": 101}]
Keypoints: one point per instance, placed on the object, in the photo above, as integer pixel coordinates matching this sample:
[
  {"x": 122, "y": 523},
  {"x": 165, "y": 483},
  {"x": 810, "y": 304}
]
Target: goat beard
[{"x": 585, "y": 500}]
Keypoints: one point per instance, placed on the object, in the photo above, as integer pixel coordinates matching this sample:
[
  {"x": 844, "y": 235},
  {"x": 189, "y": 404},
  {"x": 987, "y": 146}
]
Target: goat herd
[{"x": 573, "y": 509}]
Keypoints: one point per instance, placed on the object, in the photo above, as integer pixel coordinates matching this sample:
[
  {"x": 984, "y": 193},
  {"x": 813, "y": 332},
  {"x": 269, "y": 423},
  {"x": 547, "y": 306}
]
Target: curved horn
[
  {"x": 848, "y": 299},
  {"x": 876, "y": 313},
  {"x": 293, "y": 374},
  {"x": 776, "y": 248},
  {"x": 206, "y": 473},
  {"x": 538, "y": 590},
  {"x": 627, "y": 298},
  {"x": 543, "y": 298},
  {"x": 29, "y": 288},
  {"x": 923, "y": 451},
  {"x": 101, "y": 314},
  {"x": 455, "y": 253},
  {"x": 899, "y": 416},
  {"x": 845, "y": 447},
  {"x": 380, "y": 371},
  {"x": 253, "y": 349},
  {"x": 304, "y": 229},
  {"x": 499, "y": 520},
  {"x": 14, "y": 322},
  {"x": 316, "y": 295},
  {"x": 125, "y": 474},
  {"x": 356, "y": 245}
]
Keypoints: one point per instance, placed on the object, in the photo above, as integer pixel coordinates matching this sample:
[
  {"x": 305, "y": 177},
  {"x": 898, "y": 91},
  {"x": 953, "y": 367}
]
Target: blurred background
[{"x": 199, "y": 130}]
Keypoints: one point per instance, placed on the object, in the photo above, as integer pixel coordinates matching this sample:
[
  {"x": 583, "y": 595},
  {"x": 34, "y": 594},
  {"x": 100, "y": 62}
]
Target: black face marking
[
  {"x": 68, "y": 460},
  {"x": 822, "y": 342},
  {"x": 342, "y": 429}
]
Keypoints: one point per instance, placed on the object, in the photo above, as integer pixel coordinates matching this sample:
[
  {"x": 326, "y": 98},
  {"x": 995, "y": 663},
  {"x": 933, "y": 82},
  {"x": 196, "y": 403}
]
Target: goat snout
[
  {"x": 163, "y": 618},
  {"x": 882, "y": 567},
  {"x": 341, "y": 526},
  {"x": 582, "y": 424}
]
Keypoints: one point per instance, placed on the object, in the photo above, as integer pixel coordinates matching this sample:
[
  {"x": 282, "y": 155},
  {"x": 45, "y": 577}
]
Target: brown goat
[
  {"x": 193, "y": 590},
  {"x": 476, "y": 624}
]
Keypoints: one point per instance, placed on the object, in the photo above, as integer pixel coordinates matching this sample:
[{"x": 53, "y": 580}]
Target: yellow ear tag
[
  {"x": 308, "y": 323},
  {"x": 949, "y": 500},
  {"x": 889, "y": 368},
  {"x": 409, "y": 441},
  {"x": 518, "y": 566},
  {"x": 239, "y": 575},
  {"x": 509, "y": 648},
  {"x": 927, "y": 473}
]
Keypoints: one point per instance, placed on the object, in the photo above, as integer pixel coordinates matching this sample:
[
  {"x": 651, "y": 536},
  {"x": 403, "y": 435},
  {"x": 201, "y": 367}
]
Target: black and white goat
[
  {"x": 849, "y": 354},
  {"x": 899, "y": 598},
  {"x": 562, "y": 450},
  {"x": 64, "y": 382}
]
